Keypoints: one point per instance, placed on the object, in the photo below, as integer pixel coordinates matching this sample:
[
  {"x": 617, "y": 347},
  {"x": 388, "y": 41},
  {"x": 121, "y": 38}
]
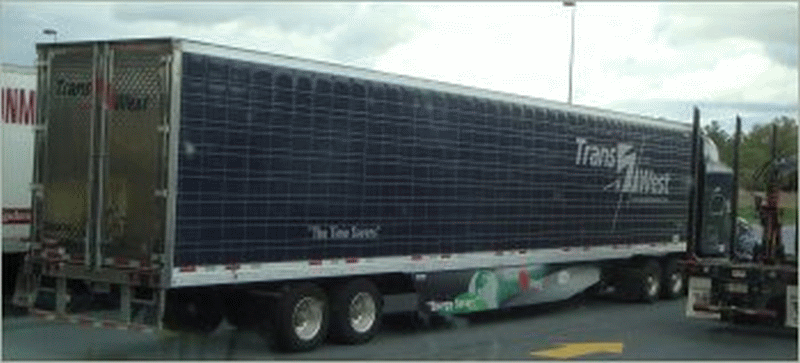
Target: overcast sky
[{"x": 650, "y": 58}]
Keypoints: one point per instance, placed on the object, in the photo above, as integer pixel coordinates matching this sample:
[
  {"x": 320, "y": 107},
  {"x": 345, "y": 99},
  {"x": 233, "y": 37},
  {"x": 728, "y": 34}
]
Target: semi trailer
[
  {"x": 189, "y": 183},
  {"x": 18, "y": 113}
]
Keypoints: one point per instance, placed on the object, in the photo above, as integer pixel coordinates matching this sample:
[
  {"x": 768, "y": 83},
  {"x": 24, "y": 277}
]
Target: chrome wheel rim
[
  {"x": 362, "y": 312},
  {"x": 677, "y": 283},
  {"x": 307, "y": 318},
  {"x": 652, "y": 286}
]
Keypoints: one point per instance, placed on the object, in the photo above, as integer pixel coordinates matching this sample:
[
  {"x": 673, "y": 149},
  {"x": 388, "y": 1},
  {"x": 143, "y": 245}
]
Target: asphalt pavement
[
  {"x": 595, "y": 329},
  {"x": 658, "y": 331}
]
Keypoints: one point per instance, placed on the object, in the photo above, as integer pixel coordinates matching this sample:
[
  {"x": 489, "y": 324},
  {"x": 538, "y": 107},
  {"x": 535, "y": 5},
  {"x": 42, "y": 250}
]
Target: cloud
[
  {"x": 704, "y": 52},
  {"x": 342, "y": 32},
  {"x": 772, "y": 25},
  {"x": 303, "y": 17},
  {"x": 375, "y": 29},
  {"x": 752, "y": 113},
  {"x": 693, "y": 52},
  {"x": 21, "y": 26}
]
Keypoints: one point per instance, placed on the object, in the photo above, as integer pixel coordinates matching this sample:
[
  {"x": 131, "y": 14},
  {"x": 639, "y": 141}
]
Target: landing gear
[{"x": 193, "y": 310}]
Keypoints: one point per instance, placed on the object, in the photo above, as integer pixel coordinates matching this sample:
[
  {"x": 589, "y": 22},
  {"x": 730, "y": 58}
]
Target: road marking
[{"x": 572, "y": 350}]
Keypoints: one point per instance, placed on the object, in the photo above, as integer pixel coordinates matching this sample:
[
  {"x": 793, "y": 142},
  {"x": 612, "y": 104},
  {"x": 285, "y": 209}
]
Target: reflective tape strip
[{"x": 89, "y": 322}]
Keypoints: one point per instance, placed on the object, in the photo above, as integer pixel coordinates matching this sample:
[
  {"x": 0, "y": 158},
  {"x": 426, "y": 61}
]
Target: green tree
[
  {"x": 754, "y": 153},
  {"x": 723, "y": 141}
]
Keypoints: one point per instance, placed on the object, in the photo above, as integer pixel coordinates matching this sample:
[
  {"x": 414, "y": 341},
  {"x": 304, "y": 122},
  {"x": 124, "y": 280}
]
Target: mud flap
[
  {"x": 26, "y": 285},
  {"x": 699, "y": 293},
  {"x": 791, "y": 306}
]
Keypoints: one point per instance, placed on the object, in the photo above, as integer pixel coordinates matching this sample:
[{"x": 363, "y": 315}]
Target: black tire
[
  {"x": 301, "y": 302},
  {"x": 193, "y": 310},
  {"x": 364, "y": 298},
  {"x": 673, "y": 284},
  {"x": 645, "y": 283}
]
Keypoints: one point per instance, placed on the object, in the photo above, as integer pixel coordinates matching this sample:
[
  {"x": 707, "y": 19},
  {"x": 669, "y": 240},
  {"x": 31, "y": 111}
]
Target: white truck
[{"x": 18, "y": 113}]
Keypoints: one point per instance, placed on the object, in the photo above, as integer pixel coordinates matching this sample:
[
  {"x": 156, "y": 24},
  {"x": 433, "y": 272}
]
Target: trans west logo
[
  {"x": 623, "y": 158},
  {"x": 114, "y": 100}
]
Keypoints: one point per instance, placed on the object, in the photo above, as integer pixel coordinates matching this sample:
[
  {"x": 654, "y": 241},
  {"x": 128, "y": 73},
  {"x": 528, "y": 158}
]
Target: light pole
[
  {"x": 52, "y": 32},
  {"x": 571, "y": 3}
]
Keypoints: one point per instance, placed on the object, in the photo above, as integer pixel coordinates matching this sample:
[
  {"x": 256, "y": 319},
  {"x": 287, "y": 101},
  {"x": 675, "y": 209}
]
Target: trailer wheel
[
  {"x": 301, "y": 318},
  {"x": 646, "y": 281},
  {"x": 672, "y": 282},
  {"x": 356, "y": 310},
  {"x": 193, "y": 310}
]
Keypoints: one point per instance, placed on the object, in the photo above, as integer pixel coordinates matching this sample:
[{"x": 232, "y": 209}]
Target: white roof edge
[
  {"x": 188, "y": 45},
  {"x": 403, "y": 80},
  {"x": 16, "y": 68}
]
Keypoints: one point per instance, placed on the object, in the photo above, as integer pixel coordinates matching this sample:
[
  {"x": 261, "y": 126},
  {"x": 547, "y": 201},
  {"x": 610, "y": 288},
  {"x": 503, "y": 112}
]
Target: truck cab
[
  {"x": 715, "y": 211},
  {"x": 761, "y": 289}
]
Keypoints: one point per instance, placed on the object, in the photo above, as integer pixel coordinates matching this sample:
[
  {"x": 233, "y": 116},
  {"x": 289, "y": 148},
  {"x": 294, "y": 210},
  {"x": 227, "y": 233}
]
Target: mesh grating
[
  {"x": 133, "y": 214},
  {"x": 67, "y": 148}
]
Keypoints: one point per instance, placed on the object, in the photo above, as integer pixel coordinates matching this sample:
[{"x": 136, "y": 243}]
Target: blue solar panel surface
[{"x": 280, "y": 164}]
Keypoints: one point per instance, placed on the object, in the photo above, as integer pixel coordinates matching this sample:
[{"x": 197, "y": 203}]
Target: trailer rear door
[{"x": 103, "y": 164}]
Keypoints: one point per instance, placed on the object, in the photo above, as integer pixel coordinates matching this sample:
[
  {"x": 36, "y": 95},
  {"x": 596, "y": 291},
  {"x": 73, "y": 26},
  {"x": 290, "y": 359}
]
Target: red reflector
[
  {"x": 189, "y": 268},
  {"x": 351, "y": 260},
  {"x": 315, "y": 262}
]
